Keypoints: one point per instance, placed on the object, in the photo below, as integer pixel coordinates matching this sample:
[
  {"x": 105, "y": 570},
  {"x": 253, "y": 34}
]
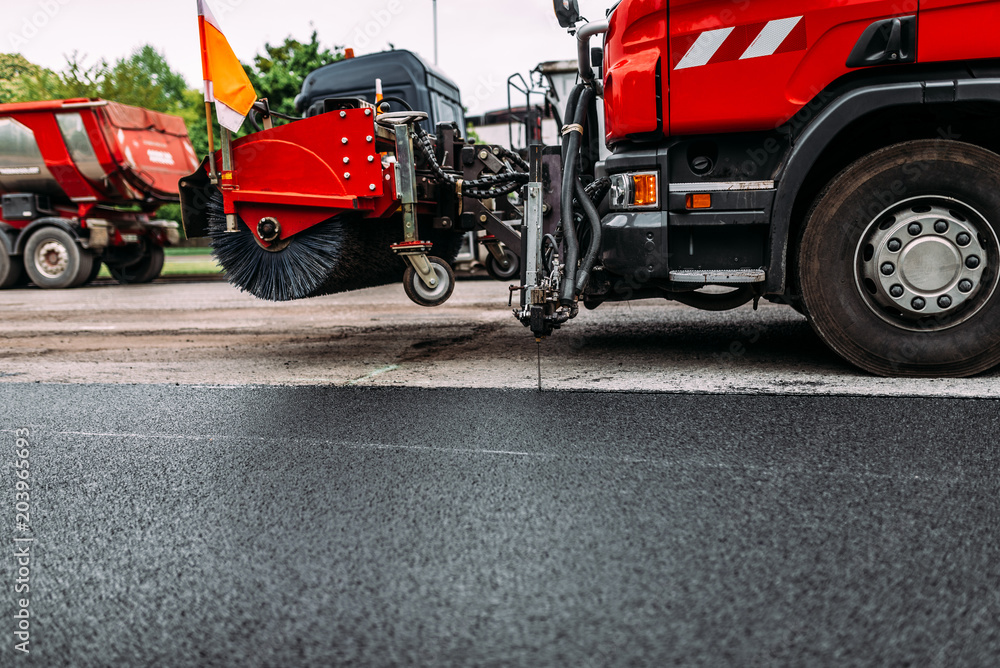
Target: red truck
[
  {"x": 80, "y": 183},
  {"x": 838, "y": 156}
]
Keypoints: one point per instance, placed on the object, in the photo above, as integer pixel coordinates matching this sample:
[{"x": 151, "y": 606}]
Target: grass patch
[
  {"x": 191, "y": 269},
  {"x": 176, "y": 252},
  {"x": 185, "y": 264}
]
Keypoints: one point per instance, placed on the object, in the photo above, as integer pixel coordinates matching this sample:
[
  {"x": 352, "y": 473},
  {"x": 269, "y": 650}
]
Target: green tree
[
  {"x": 143, "y": 79},
  {"x": 278, "y": 72},
  {"x": 15, "y": 71}
]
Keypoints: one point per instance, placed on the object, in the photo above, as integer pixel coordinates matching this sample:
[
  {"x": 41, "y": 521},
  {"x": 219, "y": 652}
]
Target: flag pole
[{"x": 211, "y": 143}]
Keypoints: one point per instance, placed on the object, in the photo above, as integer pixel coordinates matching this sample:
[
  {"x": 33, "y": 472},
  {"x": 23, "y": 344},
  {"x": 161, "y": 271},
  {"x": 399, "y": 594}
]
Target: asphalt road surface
[
  {"x": 219, "y": 482},
  {"x": 209, "y": 333},
  {"x": 181, "y": 526}
]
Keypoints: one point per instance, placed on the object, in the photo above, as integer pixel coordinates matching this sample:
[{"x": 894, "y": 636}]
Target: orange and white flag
[{"x": 226, "y": 83}]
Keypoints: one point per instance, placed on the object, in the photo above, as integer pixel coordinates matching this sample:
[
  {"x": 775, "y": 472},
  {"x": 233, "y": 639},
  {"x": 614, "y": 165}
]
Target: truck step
[{"x": 723, "y": 276}]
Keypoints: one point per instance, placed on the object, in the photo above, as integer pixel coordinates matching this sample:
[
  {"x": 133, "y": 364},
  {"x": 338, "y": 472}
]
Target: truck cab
[
  {"x": 744, "y": 139},
  {"x": 404, "y": 75}
]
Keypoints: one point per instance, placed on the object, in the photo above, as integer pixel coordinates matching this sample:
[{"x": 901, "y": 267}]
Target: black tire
[
  {"x": 94, "y": 271},
  {"x": 422, "y": 295},
  {"x": 911, "y": 200},
  {"x": 11, "y": 269},
  {"x": 53, "y": 259},
  {"x": 499, "y": 273},
  {"x": 146, "y": 270}
]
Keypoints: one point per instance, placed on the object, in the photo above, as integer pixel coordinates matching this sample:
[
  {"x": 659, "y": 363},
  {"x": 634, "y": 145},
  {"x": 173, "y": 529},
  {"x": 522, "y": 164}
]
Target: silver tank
[{"x": 22, "y": 168}]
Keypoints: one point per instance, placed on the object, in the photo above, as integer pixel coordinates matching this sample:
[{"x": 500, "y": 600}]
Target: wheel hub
[
  {"x": 52, "y": 259},
  {"x": 929, "y": 265},
  {"x": 924, "y": 259}
]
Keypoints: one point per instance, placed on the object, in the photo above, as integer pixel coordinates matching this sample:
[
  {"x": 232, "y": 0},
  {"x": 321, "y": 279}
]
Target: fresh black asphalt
[{"x": 187, "y": 526}]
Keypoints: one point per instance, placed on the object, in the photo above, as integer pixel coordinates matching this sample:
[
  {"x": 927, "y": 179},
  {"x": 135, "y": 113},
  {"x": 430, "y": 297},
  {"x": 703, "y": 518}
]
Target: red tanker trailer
[{"x": 80, "y": 183}]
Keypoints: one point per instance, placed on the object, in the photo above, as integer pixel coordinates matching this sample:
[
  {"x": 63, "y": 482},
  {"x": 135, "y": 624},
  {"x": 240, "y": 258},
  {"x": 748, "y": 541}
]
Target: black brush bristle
[
  {"x": 292, "y": 273},
  {"x": 338, "y": 255}
]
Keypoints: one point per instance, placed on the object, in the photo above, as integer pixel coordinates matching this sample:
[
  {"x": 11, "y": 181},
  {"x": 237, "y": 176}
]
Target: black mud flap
[{"x": 196, "y": 191}]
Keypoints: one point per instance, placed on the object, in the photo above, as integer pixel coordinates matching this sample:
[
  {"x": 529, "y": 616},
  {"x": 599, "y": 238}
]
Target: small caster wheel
[
  {"x": 420, "y": 294},
  {"x": 501, "y": 273}
]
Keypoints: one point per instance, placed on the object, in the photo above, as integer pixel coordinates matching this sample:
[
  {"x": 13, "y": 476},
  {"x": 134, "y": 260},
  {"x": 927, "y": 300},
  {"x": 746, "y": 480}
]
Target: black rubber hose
[
  {"x": 572, "y": 145},
  {"x": 571, "y": 103},
  {"x": 595, "y": 236}
]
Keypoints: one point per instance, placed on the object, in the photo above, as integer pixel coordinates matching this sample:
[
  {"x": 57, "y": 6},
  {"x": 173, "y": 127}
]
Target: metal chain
[{"x": 510, "y": 180}]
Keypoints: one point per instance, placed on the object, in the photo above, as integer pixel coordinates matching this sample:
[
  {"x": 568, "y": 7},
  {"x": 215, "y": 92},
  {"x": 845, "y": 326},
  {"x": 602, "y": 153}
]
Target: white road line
[
  {"x": 373, "y": 374},
  {"x": 769, "y": 470}
]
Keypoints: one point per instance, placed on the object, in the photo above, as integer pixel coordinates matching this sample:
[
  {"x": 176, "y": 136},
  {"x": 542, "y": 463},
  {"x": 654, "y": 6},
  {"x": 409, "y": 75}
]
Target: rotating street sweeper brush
[
  {"x": 350, "y": 199},
  {"x": 313, "y": 208}
]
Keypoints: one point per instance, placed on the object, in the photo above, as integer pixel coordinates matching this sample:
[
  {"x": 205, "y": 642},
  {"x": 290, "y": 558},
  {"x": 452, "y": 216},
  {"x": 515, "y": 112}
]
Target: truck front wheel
[
  {"x": 900, "y": 260},
  {"x": 53, "y": 259}
]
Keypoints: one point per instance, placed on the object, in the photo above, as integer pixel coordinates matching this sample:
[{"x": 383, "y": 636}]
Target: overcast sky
[{"x": 481, "y": 42}]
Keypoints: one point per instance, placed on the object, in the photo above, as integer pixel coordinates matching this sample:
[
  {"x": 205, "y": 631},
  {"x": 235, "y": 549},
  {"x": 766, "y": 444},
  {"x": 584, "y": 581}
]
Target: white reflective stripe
[
  {"x": 229, "y": 118},
  {"x": 717, "y": 186},
  {"x": 771, "y": 38},
  {"x": 205, "y": 10},
  {"x": 706, "y": 46},
  {"x": 209, "y": 91}
]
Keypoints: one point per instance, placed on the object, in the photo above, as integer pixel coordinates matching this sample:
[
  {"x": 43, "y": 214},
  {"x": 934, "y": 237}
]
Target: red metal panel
[
  {"x": 293, "y": 218},
  {"x": 305, "y": 172},
  {"x": 782, "y": 64},
  {"x": 958, "y": 30},
  {"x": 154, "y": 146},
  {"x": 636, "y": 44}
]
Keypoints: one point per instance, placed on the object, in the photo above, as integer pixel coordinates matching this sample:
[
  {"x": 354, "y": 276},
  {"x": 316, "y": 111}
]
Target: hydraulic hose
[
  {"x": 572, "y": 143},
  {"x": 590, "y": 209},
  {"x": 571, "y": 104}
]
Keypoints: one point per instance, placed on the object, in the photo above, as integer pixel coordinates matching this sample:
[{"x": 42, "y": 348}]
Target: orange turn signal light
[
  {"x": 701, "y": 201},
  {"x": 645, "y": 189}
]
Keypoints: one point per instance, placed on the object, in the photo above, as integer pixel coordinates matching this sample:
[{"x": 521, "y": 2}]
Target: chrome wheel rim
[
  {"x": 51, "y": 259},
  {"x": 927, "y": 264}
]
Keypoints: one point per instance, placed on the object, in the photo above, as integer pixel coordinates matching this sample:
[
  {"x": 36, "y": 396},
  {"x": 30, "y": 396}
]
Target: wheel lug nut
[
  {"x": 966, "y": 285},
  {"x": 944, "y": 302},
  {"x": 894, "y": 245},
  {"x": 918, "y": 304},
  {"x": 888, "y": 269},
  {"x": 941, "y": 226},
  {"x": 915, "y": 229},
  {"x": 972, "y": 262},
  {"x": 964, "y": 239},
  {"x": 896, "y": 291}
]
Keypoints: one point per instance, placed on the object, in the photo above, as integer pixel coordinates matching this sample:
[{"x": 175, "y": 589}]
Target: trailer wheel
[
  {"x": 94, "y": 271},
  {"x": 146, "y": 270},
  {"x": 424, "y": 296},
  {"x": 53, "y": 259},
  {"x": 499, "y": 273},
  {"x": 11, "y": 269},
  {"x": 900, "y": 260}
]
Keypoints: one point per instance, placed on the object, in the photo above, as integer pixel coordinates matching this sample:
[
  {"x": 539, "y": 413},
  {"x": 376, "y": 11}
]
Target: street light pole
[{"x": 435, "y": 32}]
